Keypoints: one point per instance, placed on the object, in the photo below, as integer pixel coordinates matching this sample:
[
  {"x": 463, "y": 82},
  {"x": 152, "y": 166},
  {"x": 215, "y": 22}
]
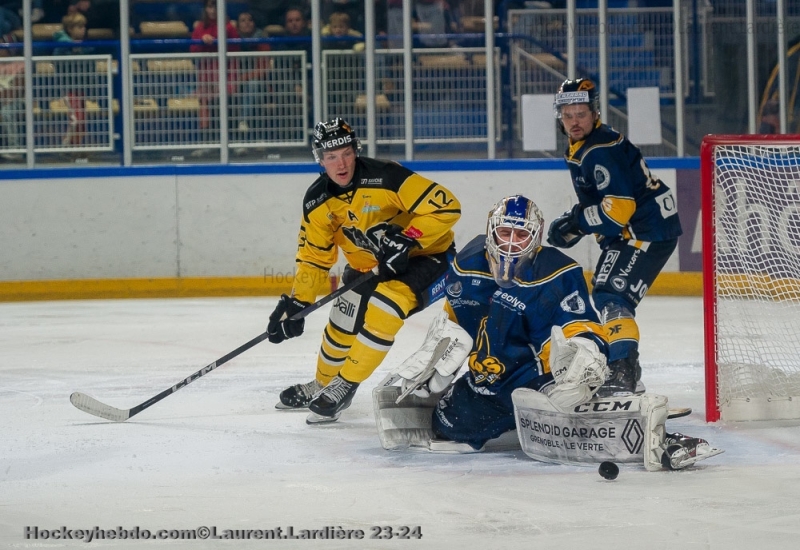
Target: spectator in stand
[
  {"x": 74, "y": 32},
  {"x": 271, "y": 12},
  {"x": 12, "y": 105},
  {"x": 353, "y": 8},
  {"x": 253, "y": 74},
  {"x": 337, "y": 34},
  {"x": 432, "y": 12},
  {"x": 207, "y": 67},
  {"x": 298, "y": 34},
  {"x": 296, "y": 26},
  {"x": 10, "y": 19}
]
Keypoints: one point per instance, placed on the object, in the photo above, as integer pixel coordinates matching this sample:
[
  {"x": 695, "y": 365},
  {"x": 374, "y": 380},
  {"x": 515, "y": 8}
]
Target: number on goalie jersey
[{"x": 508, "y": 302}]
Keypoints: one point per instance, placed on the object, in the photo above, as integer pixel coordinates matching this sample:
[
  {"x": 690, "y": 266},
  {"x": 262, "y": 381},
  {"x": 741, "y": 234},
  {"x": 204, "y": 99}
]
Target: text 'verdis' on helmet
[{"x": 332, "y": 135}]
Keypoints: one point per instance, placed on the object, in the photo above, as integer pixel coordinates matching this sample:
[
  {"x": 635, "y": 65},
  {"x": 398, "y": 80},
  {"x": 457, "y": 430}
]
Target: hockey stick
[{"x": 91, "y": 405}]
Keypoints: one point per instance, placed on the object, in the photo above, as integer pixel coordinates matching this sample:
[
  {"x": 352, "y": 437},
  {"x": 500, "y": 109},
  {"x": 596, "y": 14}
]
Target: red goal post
[{"x": 751, "y": 276}]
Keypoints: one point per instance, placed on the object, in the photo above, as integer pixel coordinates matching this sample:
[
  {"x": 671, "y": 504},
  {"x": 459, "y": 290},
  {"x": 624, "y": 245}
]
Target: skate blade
[
  {"x": 281, "y": 407},
  {"x": 713, "y": 451},
  {"x": 314, "y": 418}
]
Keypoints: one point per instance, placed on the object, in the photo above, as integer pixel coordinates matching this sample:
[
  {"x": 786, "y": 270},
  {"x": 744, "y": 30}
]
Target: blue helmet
[{"x": 513, "y": 237}]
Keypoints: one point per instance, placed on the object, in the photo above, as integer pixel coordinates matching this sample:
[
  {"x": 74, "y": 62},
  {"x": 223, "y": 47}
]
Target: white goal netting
[{"x": 756, "y": 235}]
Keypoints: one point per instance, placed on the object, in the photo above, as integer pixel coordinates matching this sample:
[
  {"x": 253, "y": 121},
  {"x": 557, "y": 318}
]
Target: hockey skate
[
  {"x": 624, "y": 377},
  {"x": 298, "y": 396},
  {"x": 681, "y": 451},
  {"x": 329, "y": 403}
]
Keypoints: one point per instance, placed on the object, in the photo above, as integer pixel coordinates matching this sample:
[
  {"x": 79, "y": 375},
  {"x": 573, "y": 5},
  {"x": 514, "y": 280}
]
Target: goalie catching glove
[
  {"x": 433, "y": 366},
  {"x": 578, "y": 366}
]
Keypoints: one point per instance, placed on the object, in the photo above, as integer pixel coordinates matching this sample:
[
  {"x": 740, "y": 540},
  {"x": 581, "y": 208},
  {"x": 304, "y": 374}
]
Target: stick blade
[
  {"x": 679, "y": 412},
  {"x": 90, "y": 405}
]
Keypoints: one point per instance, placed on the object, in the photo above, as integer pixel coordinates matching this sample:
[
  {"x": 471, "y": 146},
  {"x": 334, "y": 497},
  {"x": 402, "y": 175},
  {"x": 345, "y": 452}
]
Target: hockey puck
[{"x": 608, "y": 470}]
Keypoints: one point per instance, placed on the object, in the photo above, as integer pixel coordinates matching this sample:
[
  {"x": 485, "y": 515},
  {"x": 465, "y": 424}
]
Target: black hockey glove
[
  {"x": 395, "y": 249},
  {"x": 279, "y": 327},
  {"x": 565, "y": 231}
]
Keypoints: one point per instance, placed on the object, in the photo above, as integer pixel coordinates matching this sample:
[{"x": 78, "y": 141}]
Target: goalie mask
[
  {"x": 332, "y": 135},
  {"x": 513, "y": 237}
]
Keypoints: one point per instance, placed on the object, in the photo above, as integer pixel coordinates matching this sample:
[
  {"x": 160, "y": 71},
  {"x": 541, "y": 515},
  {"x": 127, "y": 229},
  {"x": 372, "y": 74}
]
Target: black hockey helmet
[
  {"x": 331, "y": 135},
  {"x": 580, "y": 90}
]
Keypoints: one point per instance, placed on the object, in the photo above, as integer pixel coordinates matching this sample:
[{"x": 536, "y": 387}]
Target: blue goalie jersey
[{"x": 511, "y": 326}]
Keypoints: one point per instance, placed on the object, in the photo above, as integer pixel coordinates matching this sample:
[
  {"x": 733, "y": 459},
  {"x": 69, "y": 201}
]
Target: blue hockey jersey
[
  {"x": 511, "y": 327},
  {"x": 619, "y": 194}
]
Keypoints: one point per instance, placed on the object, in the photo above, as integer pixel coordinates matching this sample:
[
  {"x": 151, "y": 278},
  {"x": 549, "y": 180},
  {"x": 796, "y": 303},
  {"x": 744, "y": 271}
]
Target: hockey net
[{"x": 751, "y": 272}]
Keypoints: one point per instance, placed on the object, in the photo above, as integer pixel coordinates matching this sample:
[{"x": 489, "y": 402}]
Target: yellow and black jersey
[{"x": 353, "y": 219}]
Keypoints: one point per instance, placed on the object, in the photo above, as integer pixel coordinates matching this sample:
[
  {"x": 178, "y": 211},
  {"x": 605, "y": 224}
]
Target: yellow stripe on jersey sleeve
[{"x": 619, "y": 209}]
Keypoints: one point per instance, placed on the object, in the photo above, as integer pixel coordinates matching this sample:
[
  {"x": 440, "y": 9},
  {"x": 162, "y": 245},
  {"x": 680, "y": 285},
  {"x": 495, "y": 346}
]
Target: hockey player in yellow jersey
[{"x": 385, "y": 218}]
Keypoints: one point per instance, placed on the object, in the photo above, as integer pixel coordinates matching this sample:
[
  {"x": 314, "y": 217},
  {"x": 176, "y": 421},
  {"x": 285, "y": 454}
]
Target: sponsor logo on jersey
[
  {"x": 436, "y": 290},
  {"x": 455, "y": 289},
  {"x": 476, "y": 282},
  {"x": 508, "y": 299},
  {"x": 371, "y": 181},
  {"x": 345, "y": 307},
  {"x": 370, "y": 208},
  {"x": 337, "y": 142},
  {"x": 413, "y": 232},
  {"x": 631, "y": 264},
  {"x": 592, "y": 216},
  {"x": 601, "y": 177},
  {"x": 574, "y": 303},
  {"x": 607, "y": 266},
  {"x": 483, "y": 390},
  {"x": 619, "y": 283},
  {"x": 319, "y": 200},
  {"x": 667, "y": 204},
  {"x": 456, "y": 302}
]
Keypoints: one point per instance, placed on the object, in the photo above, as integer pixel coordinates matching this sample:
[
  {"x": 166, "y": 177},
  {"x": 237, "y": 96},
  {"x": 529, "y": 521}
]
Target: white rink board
[{"x": 230, "y": 225}]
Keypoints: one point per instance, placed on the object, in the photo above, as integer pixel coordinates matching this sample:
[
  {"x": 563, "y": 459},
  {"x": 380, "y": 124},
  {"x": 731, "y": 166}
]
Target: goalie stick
[{"x": 90, "y": 405}]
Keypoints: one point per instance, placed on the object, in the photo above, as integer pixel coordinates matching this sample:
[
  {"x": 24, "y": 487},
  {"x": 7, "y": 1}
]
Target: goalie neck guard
[
  {"x": 332, "y": 135},
  {"x": 513, "y": 237}
]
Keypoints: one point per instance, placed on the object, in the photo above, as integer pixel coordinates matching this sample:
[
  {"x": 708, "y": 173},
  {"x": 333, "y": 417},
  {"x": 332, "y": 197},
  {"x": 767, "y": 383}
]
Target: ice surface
[{"x": 218, "y": 454}]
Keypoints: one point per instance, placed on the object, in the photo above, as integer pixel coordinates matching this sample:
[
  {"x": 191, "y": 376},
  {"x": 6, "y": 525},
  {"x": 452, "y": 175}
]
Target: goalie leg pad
[
  {"x": 403, "y": 425},
  {"x": 615, "y": 429},
  {"x": 434, "y": 365}
]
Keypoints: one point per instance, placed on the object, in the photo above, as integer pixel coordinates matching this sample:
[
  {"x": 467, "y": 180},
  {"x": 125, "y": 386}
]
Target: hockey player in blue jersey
[
  {"x": 519, "y": 315},
  {"x": 632, "y": 214},
  {"x": 505, "y": 292}
]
